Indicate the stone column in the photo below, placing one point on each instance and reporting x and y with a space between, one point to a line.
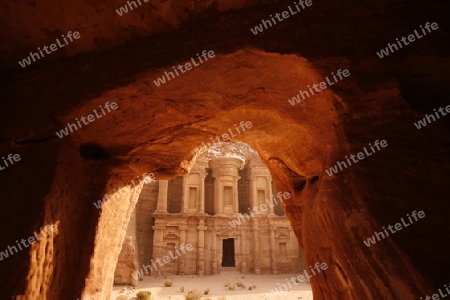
159 247
183 229
269 189
236 197
252 192
161 206
201 205
244 257
257 250
218 205
199 168
184 194
200 247
273 251
214 250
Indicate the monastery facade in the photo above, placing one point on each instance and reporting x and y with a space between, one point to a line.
226 208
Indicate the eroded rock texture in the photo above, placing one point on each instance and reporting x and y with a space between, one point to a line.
127 263
250 79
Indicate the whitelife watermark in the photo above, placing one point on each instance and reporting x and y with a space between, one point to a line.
323 85
296 280
411 38
281 17
90 118
437 296
44 233
124 9
423 122
162 80
224 136
263 207
334 170
146 177
165 260
11 158
397 226
27 61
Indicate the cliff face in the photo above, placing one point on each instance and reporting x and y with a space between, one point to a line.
250 78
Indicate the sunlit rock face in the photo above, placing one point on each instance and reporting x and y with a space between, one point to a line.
127 263
251 78
238 150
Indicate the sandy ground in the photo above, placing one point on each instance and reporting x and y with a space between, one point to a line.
264 283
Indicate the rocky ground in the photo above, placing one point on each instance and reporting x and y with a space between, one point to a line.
217 287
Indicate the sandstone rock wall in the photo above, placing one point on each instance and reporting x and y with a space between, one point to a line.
156 128
127 264
100 26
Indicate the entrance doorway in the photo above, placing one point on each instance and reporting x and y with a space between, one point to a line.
228 253
171 266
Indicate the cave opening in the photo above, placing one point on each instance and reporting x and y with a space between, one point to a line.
226 211
294 151
154 131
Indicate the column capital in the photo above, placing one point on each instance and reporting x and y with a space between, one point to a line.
202 227
159 227
201 173
260 170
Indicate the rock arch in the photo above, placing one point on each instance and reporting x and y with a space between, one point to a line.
154 130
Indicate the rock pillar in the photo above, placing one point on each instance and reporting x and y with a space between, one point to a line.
183 229
214 250
273 251
184 194
200 247
161 206
243 256
256 249
200 169
269 195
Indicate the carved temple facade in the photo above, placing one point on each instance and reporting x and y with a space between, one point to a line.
226 209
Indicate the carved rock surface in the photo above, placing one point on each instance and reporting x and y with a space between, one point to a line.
127 263
251 78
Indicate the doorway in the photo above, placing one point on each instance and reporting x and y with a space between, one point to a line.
228 253
171 266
